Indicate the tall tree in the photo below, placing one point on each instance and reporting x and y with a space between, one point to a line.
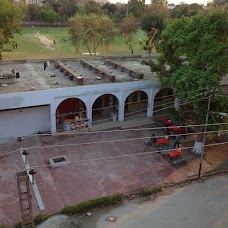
136 8
32 12
159 2
91 31
193 58
128 28
186 10
10 18
153 23
219 3
47 15
150 22
110 9
92 7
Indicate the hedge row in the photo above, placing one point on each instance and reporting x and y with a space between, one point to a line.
99 202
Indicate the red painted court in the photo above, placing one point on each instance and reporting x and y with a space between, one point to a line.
94 170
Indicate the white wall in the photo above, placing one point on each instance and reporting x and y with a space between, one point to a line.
24 121
47 97
53 97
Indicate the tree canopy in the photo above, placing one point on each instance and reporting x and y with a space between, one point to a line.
91 31
136 8
92 7
10 18
193 58
152 21
219 3
186 10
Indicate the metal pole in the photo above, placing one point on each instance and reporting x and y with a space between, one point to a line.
204 136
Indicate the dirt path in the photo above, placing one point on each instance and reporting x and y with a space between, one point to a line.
44 40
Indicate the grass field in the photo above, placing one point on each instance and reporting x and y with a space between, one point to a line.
30 47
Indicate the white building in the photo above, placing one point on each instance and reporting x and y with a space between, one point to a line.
54 99
40 2
171 6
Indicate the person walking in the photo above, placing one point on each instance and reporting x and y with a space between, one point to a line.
177 141
45 65
168 131
153 140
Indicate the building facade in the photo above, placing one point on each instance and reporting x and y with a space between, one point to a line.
34 111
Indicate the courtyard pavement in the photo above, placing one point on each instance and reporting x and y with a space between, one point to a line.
97 167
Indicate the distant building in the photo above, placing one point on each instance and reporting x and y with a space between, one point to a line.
171 6
158 2
40 2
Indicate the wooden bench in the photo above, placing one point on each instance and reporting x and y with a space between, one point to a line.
179 161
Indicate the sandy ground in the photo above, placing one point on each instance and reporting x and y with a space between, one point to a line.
216 158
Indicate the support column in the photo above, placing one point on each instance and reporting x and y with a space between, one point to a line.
150 105
121 107
89 109
176 103
53 117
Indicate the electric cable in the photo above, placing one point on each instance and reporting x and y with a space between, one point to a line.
115 130
116 106
107 141
6 138
113 157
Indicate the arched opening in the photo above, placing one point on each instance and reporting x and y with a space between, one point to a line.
163 99
105 108
71 115
135 105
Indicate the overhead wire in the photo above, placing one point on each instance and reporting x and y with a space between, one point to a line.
7 138
181 93
127 103
73 132
130 113
107 141
111 157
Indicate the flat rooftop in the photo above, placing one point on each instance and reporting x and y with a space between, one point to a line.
34 77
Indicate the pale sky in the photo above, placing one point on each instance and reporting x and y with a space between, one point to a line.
176 2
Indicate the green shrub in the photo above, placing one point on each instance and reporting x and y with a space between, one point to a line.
99 202
2 226
37 220
149 191
40 218
17 225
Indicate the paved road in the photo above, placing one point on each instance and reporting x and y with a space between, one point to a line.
200 205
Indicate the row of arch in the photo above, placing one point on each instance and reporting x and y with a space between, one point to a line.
105 107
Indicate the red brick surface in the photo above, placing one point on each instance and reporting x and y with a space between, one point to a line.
81 180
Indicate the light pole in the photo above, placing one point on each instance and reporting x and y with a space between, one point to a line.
205 132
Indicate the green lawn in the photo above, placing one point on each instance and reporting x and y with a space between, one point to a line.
30 47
